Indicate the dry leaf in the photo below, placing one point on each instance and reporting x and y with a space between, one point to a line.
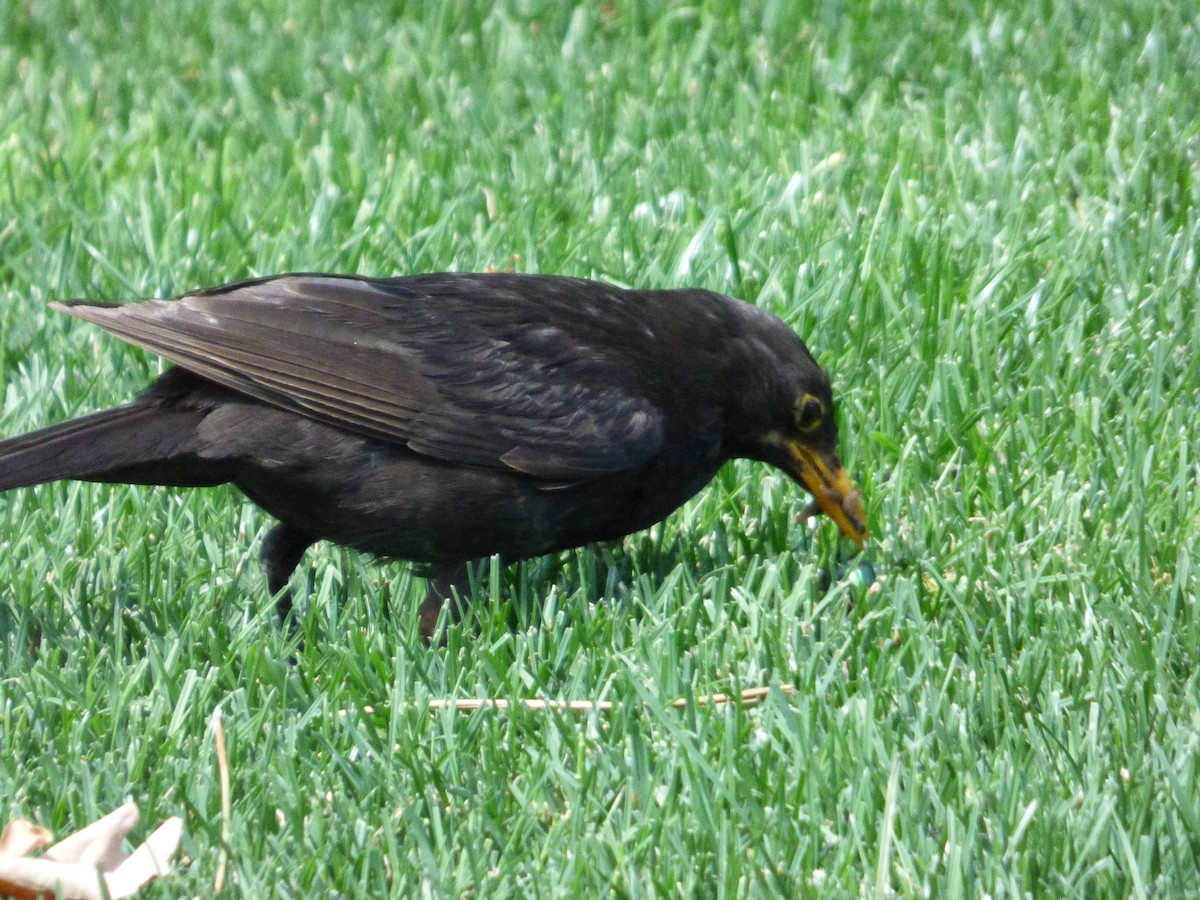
22 837
87 865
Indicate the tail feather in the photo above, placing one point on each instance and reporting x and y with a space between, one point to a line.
135 444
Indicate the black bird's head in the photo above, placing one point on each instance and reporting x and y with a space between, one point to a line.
785 416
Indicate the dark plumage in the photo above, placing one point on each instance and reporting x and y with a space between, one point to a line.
444 418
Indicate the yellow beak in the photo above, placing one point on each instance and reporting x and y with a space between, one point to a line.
832 488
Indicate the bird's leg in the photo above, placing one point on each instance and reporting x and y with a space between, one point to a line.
448 584
281 551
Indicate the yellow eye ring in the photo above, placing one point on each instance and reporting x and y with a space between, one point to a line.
809 413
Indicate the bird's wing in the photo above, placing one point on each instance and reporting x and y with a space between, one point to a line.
452 370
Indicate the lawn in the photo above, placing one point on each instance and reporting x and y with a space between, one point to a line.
983 218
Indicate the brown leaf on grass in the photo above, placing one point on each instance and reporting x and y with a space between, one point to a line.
87 865
22 837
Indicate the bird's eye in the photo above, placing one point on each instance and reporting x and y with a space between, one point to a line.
809 413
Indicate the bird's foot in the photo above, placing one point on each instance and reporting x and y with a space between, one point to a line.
446 598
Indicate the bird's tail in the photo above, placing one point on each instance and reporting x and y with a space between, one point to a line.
136 444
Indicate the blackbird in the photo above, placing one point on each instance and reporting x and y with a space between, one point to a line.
443 418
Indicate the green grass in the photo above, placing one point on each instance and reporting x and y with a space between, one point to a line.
983 218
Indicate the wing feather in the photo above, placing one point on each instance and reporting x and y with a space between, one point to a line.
466 369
